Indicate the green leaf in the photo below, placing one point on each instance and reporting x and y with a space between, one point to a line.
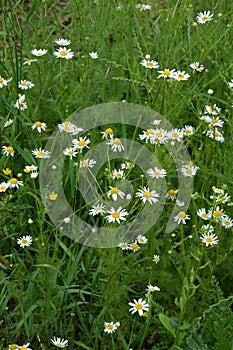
167 324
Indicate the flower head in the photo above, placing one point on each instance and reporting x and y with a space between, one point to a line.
114 192
21 103
28 61
63 52
93 55
110 327
97 209
24 241
147 196
143 7
157 173
13 182
87 163
139 306
116 215
58 342
4 82
116 144
209 239
4 186
156 259
81 143
181 75
39 126
166 73
181 217
70 152
151 64
8 123
8 150
24 347
39 52
62 42
25 85
41 153
197 66
151 288
203 17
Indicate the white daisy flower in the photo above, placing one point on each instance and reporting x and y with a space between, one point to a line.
70 152
3 186
181 217
63 52
141 239
41 153
8 123
227 222
203 17
117 174
176 134
116 144
147 196
24 241
14 183
107 133
87 163
62 42
4 82
123 245
181 75
28 61
143 7
58 342
189 171
151 288
40 126
209 239
139 306
166 73
157 173
202 213
197 66
188 130
116 215
39 52
81 143
114 192
21 103
93 55
156 259
134 246
97 209
171 194
109 327
25 84
214 110
151 64
8 151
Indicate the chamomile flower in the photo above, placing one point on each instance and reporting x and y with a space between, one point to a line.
134 246
215 134
214 110
81 143
151 288
181 75
62 42
117 174
188 130
147 196
4 186
141 239
181 217
8 123
21 103
39 52
28 61
29 168
107 133
156 173
216 213
93 55
97 209
24 241
159 136
203 17
176 134
25 84
63 52
166 73
180 203
58 342
196 66
116 144
41 153
209 239
68 127
114 192
189 171
70 152
224 198
8 151
87 163
143 7
116 215
139 306
218 190
123 245
171 194
40 126
227 222
109 327
4 82
202 214
156 259
151 64
207 228
34 174
127 165
24 347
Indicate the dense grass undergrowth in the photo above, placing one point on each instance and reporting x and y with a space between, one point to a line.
160 289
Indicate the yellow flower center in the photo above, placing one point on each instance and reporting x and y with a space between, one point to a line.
209 240
134 245
10 149
84 163
215 133
3 188
70 153
187 132
182 215
181 76
149 64
175 134
138 306
21 105
40 154
81 143
117 141
110 327
114 190
63 53
158 134
149 132
147 194
24 241
166 73
204 18
171 193
23 83
109 131
156 173
38 124
214 121
119 175
1 80
227 222
13 347
188 171
115 215
66 126
204 215
210 127
13 181
222 198
217 213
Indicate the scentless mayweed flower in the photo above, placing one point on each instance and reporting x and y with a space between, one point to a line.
203 17
123 245
8 123
39 126
24 347
69 127
62 42
166 73
189 171
3 186
202 213
171 194
147 63
13 347
114 192
97 209
21 103
141 239
156 259
4 82
70 152
58 342
230 83
63 52
111 327
138 306
29 168
28 61
157 173
117 174
181 217
87 163
39 52
214 110
147 196
216 213
93 55
8 151
134 246
188 130
116 215
116 145
209 239
143 7
41 153
176 134
24 241
151 288
81 143
14 183
25 85
107 133
227 222
181 75
196 66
